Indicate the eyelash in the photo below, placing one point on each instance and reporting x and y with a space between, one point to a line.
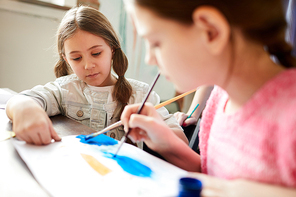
76 59
95 54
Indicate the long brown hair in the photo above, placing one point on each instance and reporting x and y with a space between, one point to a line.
91 20
262 21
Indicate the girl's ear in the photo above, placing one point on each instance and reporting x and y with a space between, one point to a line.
215 28
113 51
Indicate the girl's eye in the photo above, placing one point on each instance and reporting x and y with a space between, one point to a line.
96 54
76 59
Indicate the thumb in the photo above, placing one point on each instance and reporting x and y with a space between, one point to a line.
190 121
182 119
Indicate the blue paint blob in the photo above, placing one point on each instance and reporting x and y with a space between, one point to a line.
130 165
98 140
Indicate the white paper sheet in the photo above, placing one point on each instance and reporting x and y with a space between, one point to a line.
4 97
62 171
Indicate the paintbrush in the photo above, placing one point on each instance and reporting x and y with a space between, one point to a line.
119 123
123 139
116 124
193 111
174 99
184 125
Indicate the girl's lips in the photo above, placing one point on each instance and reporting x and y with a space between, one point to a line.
165 75
92 75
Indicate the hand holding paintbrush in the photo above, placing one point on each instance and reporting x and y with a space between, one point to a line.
119 123
138 112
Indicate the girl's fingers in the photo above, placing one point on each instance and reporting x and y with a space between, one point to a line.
150 128
29 140
53 133
181 117
128 110
137 135
142 122
177 116
40 134
147 110
145 126
20 137
36 138
190 121
45 137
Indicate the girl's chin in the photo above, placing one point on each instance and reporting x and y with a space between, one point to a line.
179 89
93 83
183 89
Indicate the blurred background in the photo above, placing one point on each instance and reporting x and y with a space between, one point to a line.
28 47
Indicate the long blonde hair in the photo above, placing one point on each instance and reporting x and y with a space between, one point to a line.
91 20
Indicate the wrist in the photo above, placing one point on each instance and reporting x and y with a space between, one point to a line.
173 143
20 104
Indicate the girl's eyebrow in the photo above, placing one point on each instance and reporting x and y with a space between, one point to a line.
95 46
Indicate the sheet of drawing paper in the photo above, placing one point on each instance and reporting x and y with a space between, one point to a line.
4 97
73 168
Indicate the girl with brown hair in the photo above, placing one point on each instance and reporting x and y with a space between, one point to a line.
248 128
85 90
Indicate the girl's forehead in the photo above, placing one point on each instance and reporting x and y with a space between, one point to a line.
84 41
84 36
144 20
150 24
81 37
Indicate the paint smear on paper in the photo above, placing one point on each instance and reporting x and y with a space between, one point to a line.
95 164
130 165
98 140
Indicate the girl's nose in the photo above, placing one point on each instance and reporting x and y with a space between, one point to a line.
89 64
150 58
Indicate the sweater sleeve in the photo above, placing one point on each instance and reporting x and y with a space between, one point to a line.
48 96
